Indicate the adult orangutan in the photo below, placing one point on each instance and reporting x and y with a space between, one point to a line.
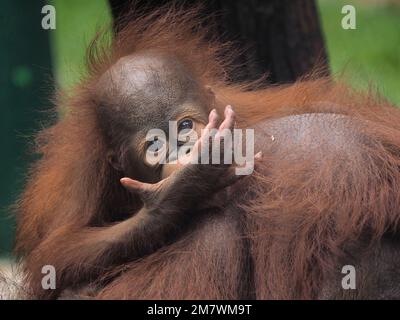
324 195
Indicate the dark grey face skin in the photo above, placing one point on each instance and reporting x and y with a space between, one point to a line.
140 93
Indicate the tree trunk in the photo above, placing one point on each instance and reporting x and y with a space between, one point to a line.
283 37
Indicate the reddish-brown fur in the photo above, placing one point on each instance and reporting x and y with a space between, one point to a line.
288 232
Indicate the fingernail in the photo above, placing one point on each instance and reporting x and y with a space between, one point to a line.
214 114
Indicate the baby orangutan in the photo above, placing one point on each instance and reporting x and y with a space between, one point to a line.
135 95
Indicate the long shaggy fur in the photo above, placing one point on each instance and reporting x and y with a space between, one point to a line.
293 224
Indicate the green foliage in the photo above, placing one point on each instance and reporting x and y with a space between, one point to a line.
77 24
371 53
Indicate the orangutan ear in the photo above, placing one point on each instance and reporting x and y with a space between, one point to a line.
113 160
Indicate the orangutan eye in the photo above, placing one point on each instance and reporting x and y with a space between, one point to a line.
185 124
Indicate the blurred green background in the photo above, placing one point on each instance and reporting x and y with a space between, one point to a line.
368 55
